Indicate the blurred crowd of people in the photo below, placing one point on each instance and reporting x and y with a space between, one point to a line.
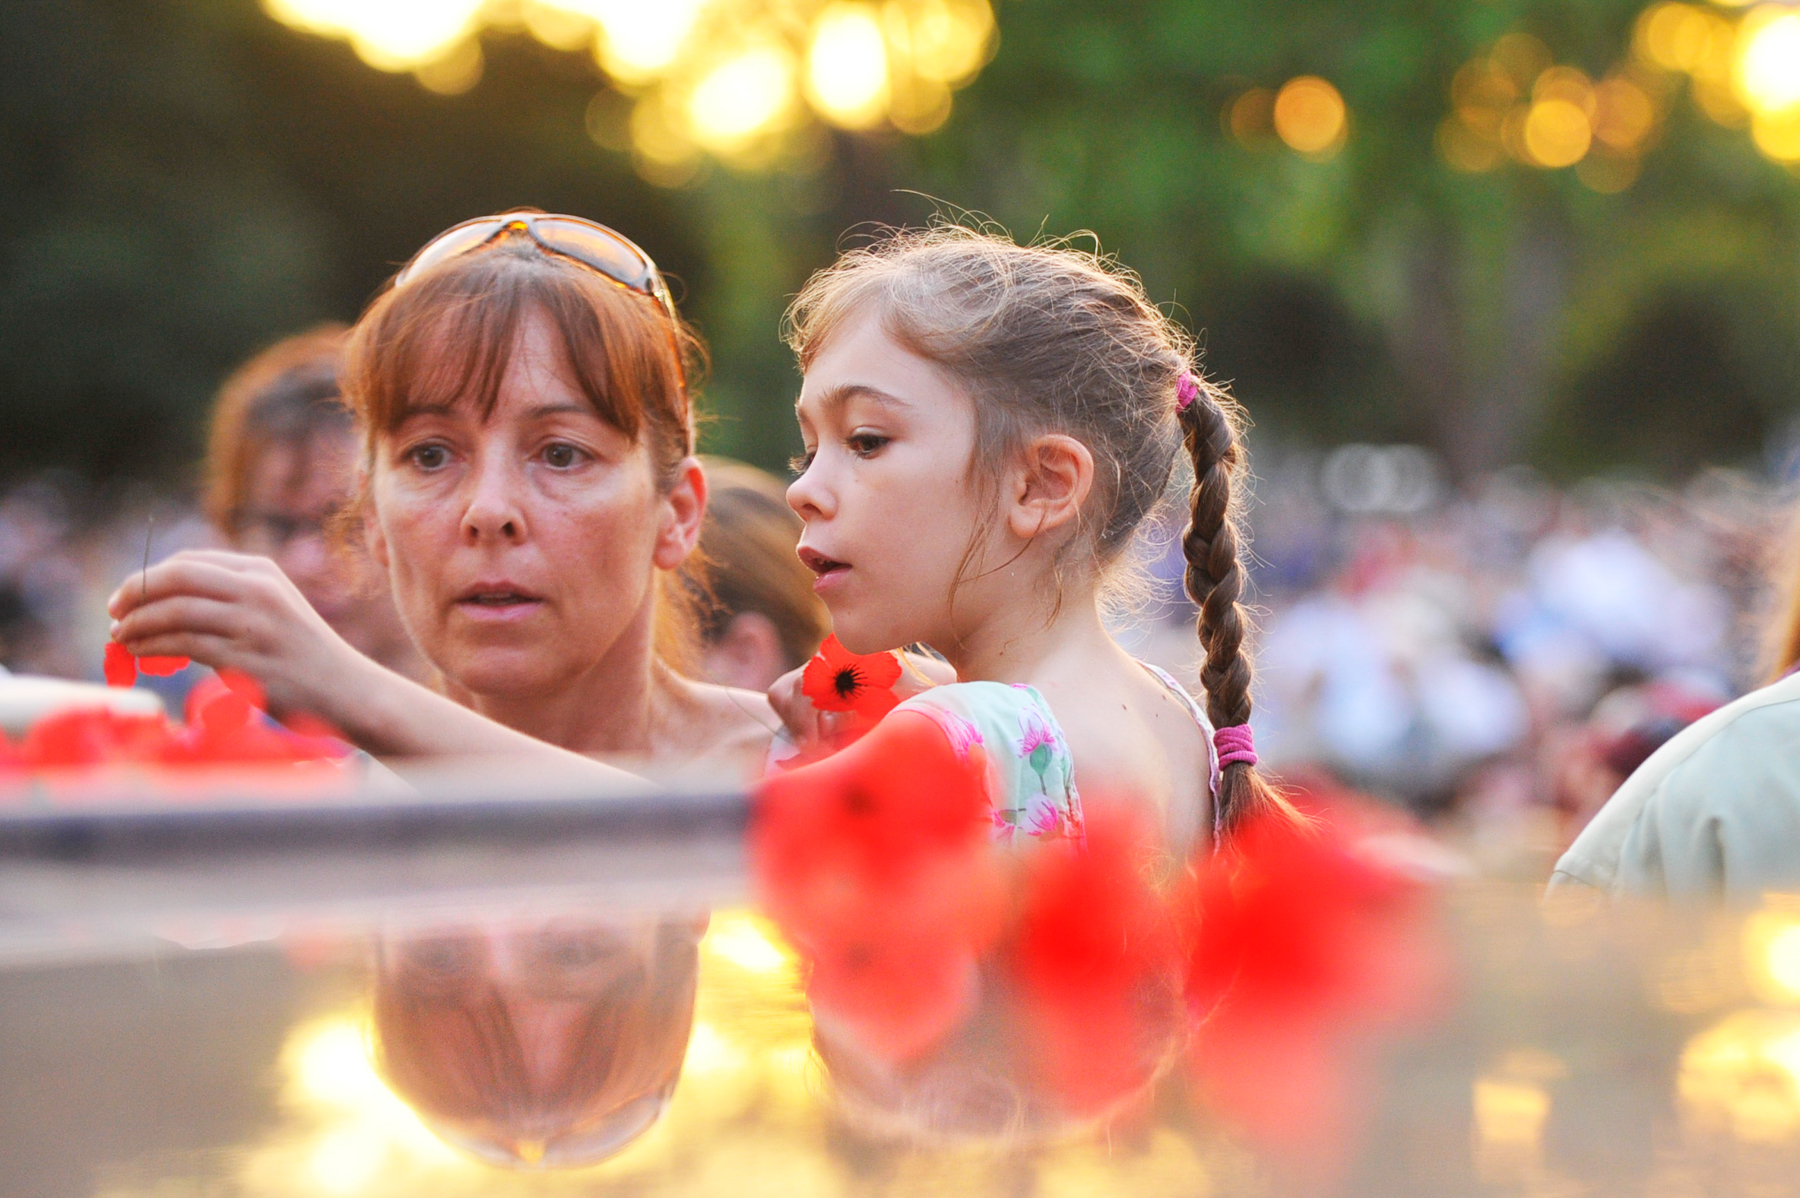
1509 651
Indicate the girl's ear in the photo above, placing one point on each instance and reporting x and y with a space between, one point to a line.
684 506
1055 476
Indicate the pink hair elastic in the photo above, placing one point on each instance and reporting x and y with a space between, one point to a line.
1187 390
1235 744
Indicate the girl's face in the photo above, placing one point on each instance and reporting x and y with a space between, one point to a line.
523 546
886 496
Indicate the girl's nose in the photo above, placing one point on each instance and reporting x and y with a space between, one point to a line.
494 511
809 496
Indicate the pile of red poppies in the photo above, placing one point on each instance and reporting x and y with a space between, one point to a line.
225 725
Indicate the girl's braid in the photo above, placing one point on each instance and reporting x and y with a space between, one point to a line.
1215 582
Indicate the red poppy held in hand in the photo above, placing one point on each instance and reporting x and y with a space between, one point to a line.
122 666
839 680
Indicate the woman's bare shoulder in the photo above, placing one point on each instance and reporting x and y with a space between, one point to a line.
724 721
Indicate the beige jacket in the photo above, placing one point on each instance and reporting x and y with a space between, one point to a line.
1716 811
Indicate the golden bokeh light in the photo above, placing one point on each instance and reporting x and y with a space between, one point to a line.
747 81
847 68
1778 134
1310 116
1742 1076
1771 950
390 35
1556 134
1767 70
636 42
741 98
1624 114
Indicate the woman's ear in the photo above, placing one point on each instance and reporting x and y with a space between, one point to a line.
684 508
1055 476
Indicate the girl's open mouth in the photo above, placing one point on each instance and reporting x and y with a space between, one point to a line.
819 564
829 570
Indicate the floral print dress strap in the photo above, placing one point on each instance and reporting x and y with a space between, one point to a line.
1031 779
1206 733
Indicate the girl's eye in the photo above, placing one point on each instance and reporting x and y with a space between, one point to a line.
865 445
428 457
803 463
561 455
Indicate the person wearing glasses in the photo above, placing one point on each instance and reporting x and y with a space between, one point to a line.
280 465
529 485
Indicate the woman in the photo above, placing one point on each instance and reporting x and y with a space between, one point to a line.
280 463
530 488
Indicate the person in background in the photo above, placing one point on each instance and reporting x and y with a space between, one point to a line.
1715 811
764 619
280 465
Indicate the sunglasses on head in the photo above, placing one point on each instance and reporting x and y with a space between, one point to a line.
588 242
609 253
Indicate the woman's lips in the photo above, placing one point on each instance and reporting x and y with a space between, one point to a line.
496 604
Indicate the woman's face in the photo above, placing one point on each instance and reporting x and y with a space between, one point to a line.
886 497
523 546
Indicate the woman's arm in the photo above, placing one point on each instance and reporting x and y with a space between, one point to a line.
236 612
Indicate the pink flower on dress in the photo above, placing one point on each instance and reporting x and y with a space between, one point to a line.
1046 821
1038 741
962 734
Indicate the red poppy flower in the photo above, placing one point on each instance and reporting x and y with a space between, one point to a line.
839 680
877 864
122 666
119 665
1302 946
1096 963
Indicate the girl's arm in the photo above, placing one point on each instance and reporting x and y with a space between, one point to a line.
235 612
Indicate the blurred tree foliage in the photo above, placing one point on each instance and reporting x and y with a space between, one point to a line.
184 181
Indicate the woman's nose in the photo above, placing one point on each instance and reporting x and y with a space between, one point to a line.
494 510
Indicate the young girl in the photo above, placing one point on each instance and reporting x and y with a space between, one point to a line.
986 425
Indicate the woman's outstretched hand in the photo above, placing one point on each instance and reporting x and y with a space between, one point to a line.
232 611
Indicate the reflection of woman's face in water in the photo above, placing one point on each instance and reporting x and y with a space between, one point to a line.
546 1043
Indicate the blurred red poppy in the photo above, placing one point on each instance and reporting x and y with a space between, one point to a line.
877 864
839 680
1095 958
1302 949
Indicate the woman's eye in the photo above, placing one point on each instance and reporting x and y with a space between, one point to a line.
561 455
865 444
802 463
428 457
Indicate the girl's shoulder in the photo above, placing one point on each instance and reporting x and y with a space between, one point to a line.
1031 775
